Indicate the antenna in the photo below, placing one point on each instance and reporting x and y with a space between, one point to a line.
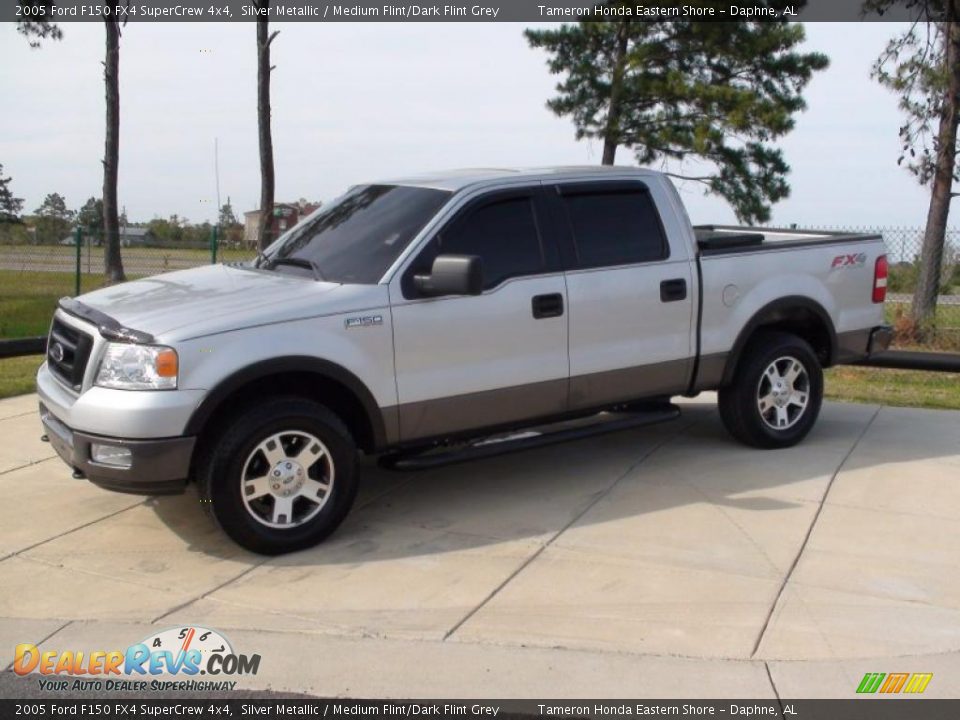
216 172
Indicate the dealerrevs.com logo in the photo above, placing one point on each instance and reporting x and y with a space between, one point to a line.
187 652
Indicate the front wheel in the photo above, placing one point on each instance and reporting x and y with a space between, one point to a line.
776 392
283 477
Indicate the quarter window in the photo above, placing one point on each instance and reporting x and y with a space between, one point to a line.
619 227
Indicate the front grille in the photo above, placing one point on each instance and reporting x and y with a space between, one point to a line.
67 353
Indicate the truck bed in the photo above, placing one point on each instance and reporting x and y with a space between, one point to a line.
722 239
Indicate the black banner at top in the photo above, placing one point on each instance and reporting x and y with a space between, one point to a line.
483 11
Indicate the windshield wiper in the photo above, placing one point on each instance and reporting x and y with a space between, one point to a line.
297 262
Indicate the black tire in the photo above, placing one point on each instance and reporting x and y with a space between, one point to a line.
739 402
220 476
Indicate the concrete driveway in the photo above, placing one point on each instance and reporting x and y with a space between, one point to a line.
660 562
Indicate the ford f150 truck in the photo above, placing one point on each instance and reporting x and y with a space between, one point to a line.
417 314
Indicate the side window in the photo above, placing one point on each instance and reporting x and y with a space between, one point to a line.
616 227
503 233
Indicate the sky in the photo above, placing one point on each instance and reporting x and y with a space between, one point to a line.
359 102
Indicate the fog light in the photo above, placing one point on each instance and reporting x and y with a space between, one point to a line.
111 455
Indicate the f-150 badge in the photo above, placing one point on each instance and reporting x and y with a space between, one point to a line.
364 321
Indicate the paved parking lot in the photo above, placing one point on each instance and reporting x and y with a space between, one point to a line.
657 562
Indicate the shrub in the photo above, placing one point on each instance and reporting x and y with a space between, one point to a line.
902 278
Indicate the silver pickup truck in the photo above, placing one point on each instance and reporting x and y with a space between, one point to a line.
419 318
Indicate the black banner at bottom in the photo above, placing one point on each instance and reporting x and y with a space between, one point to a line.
874 708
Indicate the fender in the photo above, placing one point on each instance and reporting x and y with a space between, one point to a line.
278 366
777 311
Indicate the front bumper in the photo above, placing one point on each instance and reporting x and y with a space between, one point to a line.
157 466
103 411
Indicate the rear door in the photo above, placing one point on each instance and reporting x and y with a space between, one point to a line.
630 296
468 362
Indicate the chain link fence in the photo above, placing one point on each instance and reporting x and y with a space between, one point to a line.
34 275
903 254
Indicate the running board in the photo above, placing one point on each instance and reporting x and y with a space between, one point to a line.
529 439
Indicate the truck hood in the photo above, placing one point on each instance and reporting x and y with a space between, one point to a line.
220 298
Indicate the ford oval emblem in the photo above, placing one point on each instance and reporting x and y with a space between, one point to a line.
56 352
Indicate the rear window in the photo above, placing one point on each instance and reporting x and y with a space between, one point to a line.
615 227
357 237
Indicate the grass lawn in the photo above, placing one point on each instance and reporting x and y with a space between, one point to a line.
28 299
946 337
906 388
17 375
22 256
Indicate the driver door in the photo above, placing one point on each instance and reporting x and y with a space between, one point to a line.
488 360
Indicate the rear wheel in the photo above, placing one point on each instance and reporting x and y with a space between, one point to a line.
283 477
776 392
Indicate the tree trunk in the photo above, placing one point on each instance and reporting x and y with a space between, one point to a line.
113 264
264 39
931 256
611 133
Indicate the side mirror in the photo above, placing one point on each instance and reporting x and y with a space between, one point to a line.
451 275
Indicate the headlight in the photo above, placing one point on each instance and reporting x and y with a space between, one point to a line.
138 367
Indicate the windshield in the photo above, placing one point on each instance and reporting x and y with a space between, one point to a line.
359 235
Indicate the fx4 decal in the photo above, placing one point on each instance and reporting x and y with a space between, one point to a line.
846 261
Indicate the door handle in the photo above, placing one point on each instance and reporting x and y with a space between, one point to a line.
547 306
673 290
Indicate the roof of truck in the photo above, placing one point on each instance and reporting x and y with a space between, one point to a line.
455 180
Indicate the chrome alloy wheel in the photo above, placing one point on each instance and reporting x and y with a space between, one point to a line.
783 393
286 479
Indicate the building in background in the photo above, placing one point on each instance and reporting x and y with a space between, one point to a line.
287 215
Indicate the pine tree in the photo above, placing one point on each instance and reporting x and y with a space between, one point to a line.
265 39
10 206
39 27
228 218
715 95
42 27
90 218
922 65
112 260
53 219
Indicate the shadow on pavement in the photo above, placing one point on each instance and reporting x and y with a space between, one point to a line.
535 494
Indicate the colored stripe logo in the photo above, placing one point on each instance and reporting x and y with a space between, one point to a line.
893 683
